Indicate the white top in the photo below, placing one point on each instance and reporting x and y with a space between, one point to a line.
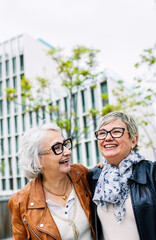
112 230
71 220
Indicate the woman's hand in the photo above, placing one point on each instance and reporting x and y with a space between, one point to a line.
100 164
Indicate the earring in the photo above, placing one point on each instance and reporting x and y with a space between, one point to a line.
132 151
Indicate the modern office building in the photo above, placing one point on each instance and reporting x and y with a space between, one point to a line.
24 56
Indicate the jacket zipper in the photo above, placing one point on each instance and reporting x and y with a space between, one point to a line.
31 229
38 230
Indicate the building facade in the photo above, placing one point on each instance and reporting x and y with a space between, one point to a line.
24 56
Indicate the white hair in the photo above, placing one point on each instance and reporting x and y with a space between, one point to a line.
31 143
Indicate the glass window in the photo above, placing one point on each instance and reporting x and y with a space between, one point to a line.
30 119
3 184
21 62
58 111
66 106
1 107
86 127
1 90
84 100
8 107
7 67
43 113
93 97
26 180
23 122
88 153
8 125
14 65
51 111
10 166
37 117
1 127
2 167
8 83
79 152
95 121
17 166
17 143
15 82
97 152
16 124
18 183
11 183
0 70
74 100
9 145
104 90
2 146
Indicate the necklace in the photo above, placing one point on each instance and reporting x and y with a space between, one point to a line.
64 196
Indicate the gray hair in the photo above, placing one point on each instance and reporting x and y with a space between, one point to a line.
31 143
123 117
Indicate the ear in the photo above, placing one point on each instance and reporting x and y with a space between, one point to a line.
134 141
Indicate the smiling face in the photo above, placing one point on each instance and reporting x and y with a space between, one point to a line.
54 164
115 150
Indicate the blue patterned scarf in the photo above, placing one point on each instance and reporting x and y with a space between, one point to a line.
112 185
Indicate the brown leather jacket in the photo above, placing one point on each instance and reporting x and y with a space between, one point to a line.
31 218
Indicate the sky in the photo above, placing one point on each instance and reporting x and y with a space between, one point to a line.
120 29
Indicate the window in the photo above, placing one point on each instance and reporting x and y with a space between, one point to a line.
88 153
16 123
7 67
74 100
1 127
11 183
10 166
8 83
95 122
14 65
66 106
78 153
15 82
3 184
2 147
18 183
37 117
23 122
8 107
97 152
16 143
9 145
21 62
1 107
1 86
58 111
0 70
86 127
84 100
8 125
51 111
93 97
3 167
30 119
15 106
104 91
17 166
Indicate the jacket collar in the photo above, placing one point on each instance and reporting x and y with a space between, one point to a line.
139 174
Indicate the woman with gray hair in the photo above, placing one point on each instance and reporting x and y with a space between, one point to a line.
55 204
124 190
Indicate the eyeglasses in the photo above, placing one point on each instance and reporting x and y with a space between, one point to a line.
115 133
57 148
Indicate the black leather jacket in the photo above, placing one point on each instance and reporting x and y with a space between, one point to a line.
143 195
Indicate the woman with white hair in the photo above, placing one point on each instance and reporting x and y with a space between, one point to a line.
55 204
124 190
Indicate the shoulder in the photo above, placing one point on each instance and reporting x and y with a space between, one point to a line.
143 170
79 167
94 173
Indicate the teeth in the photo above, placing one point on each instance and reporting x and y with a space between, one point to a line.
109 146
63 162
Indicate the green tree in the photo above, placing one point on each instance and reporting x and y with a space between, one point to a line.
74 71
140 97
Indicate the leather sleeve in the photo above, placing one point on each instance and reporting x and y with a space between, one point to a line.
18 229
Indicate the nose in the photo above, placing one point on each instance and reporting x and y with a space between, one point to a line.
109 136
66 151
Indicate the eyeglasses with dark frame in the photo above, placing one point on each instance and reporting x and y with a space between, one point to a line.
57 148
116 132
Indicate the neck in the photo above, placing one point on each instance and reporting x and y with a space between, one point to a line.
53 182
